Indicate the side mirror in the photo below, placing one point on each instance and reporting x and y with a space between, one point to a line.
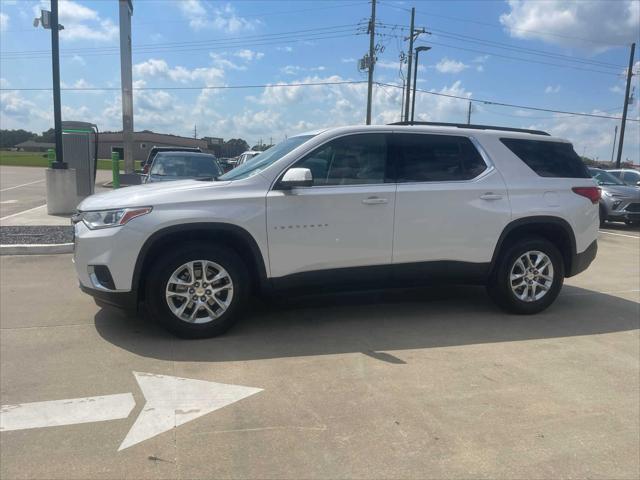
296 177
638 183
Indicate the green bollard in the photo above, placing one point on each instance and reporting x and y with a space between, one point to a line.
51 156
115 169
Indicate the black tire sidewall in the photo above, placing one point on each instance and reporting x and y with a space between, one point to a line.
164 267
500 287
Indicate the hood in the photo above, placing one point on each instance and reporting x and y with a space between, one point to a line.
149 194
626 191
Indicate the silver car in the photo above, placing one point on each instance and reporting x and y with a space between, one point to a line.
619 202
628 176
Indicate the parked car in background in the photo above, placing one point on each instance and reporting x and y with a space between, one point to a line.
168 166
619 202
246 156
155 150
627 175
226 163
344 208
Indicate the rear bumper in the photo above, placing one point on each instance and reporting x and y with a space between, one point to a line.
122 300
581 261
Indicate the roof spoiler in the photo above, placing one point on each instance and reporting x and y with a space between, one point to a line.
473 126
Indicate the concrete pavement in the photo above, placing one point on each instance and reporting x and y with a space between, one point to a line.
430 383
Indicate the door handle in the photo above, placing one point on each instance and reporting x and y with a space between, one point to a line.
491 196
375 201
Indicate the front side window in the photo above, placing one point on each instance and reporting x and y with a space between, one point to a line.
350 160
631 177
548 159
434 158
605 178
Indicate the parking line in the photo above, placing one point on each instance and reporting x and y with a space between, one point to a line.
23 211
620 234
23 185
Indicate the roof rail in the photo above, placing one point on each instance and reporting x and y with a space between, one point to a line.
472 126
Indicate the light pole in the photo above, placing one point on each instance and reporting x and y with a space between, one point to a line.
49 21
415 79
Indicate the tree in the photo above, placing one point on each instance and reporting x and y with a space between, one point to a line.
234 147
10 138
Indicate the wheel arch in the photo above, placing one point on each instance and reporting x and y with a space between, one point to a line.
232 236
555 229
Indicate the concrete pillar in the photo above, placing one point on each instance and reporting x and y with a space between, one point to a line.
62 198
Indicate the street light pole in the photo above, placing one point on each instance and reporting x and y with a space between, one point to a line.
55 61
415 80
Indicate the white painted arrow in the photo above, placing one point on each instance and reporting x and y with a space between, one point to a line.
170 402
173 401
65 412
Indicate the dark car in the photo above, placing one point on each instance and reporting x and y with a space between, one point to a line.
155 150
619 202
168 166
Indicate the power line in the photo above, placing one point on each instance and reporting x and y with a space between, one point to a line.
219 40
511 105
200 87
510 46
520 59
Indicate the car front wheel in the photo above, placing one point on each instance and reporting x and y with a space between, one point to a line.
197 291
528 277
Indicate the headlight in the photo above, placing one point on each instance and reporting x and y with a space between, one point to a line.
606 194
112 218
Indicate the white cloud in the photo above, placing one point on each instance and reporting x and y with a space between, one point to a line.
552 89
81 22
447 65
481 59
296 69
4 83
4 21
249 55
617 89
570 23
223 18
160 68
285 49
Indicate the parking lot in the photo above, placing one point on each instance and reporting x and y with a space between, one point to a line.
425 383
23 189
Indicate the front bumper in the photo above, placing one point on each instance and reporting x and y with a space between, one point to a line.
122 300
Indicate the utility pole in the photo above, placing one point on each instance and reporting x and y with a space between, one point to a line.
615 135
372 58
415 78
404 85
409 62
55 61
469 114
626 104
195 131
126 82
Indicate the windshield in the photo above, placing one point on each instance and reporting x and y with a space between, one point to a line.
605 178
190 166
260 162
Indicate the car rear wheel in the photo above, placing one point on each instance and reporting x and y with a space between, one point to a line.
528 277
198 291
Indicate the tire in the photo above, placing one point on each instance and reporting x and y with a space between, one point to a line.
500 285
233 294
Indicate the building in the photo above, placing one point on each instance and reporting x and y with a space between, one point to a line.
142 142
31 146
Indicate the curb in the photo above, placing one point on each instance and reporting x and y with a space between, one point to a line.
36 249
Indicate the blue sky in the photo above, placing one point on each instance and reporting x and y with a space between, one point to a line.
188 44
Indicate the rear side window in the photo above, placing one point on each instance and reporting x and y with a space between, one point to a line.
434 158
548 159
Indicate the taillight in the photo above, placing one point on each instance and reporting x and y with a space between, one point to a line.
592 193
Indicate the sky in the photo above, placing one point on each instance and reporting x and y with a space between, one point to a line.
548 54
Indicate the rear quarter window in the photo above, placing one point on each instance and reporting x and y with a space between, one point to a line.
548 159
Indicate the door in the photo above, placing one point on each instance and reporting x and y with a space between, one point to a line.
345 219
451 205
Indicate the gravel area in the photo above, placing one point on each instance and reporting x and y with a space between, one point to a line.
24 235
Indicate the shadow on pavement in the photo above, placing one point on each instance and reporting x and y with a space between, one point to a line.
374 322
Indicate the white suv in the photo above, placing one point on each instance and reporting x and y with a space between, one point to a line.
343 207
